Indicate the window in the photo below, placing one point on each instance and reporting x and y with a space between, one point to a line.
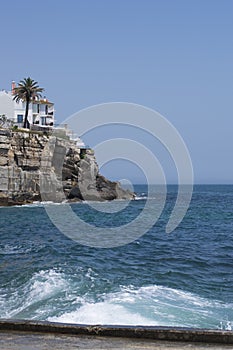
19 118
46 109
38 108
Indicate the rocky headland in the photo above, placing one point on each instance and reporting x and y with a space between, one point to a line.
38 167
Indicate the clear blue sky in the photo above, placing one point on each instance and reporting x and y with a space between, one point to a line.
175 56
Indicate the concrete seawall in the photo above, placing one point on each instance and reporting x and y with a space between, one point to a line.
58 335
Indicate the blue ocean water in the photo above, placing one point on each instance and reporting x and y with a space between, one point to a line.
179 279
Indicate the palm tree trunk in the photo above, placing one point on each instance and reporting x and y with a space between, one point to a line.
25 124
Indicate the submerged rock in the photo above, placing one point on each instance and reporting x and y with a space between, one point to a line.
36 167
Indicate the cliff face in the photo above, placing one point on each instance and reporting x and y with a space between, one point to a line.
37 167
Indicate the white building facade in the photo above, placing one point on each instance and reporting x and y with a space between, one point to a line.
41 111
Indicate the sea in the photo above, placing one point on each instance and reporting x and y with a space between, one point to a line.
183 278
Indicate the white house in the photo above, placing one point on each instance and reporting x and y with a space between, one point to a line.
41 111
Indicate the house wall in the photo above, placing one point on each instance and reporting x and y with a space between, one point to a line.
19 109
6 104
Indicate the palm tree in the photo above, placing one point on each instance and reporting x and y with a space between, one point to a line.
27 90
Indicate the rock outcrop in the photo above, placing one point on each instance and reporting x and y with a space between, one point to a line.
35 167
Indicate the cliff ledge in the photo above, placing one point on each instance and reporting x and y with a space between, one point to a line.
36 167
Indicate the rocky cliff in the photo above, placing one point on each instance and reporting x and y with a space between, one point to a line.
36 167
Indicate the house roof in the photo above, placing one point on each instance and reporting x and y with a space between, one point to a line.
43 101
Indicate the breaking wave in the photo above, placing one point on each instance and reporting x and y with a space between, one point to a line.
55 296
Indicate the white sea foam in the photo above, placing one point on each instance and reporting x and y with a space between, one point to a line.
44 284
137 198
36 204
103 313
152 305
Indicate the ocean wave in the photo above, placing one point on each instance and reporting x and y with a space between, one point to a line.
151 305
27 301
28 247
53 295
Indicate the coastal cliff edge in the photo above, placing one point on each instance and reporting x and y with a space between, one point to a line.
40 167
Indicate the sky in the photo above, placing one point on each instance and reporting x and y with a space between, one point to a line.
173 56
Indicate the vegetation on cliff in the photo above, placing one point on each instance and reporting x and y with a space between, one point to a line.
27 90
